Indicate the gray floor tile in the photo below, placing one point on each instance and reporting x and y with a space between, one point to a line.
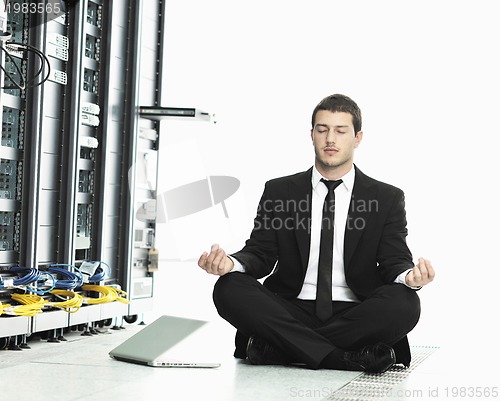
80 369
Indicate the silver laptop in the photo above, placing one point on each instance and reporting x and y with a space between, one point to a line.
164 343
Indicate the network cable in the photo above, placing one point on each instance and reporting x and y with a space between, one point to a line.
28 275
23 84
38 290
44 62
3 307
30 279
71 301
71 280
109 294
31 304
99 274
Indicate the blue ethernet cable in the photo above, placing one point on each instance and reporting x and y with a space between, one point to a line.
71 280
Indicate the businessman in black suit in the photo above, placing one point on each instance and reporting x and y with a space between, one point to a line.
340 287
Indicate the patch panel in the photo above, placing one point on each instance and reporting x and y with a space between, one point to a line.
12 71
13 79
94 14
6 233
15 24
87 152
84 220
8 179
86 181
90 81
12 128
93 47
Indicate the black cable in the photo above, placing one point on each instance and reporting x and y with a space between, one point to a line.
39 70
45 64
43 59
20 86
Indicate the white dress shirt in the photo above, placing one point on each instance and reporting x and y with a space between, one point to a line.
340 290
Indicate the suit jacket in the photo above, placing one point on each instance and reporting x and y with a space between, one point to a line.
375 249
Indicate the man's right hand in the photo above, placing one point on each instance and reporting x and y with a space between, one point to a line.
216 262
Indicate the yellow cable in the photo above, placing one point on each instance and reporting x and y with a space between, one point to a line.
121 296
3 307
106 294
109 294
70 305
31 304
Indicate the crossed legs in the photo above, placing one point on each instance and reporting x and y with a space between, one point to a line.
291 325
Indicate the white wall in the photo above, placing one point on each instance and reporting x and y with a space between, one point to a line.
426 76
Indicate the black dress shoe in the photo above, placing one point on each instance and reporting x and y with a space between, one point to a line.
373 358
260 352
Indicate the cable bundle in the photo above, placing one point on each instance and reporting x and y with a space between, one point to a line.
109 294
31 304
71 280
71 305
29 276
97 276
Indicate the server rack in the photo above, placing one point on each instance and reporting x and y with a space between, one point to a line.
78 163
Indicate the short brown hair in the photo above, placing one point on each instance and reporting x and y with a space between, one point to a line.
340 103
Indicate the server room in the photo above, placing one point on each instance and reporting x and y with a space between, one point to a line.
233 201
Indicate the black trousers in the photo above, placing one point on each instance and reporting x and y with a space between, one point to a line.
390 313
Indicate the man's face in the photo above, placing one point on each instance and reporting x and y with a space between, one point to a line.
334 139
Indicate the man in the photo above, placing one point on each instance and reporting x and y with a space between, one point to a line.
340 291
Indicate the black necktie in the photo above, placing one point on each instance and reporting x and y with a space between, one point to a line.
325 263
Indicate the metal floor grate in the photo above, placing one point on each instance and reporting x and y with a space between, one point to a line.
372 386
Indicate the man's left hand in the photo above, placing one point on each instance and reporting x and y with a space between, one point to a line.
422 274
